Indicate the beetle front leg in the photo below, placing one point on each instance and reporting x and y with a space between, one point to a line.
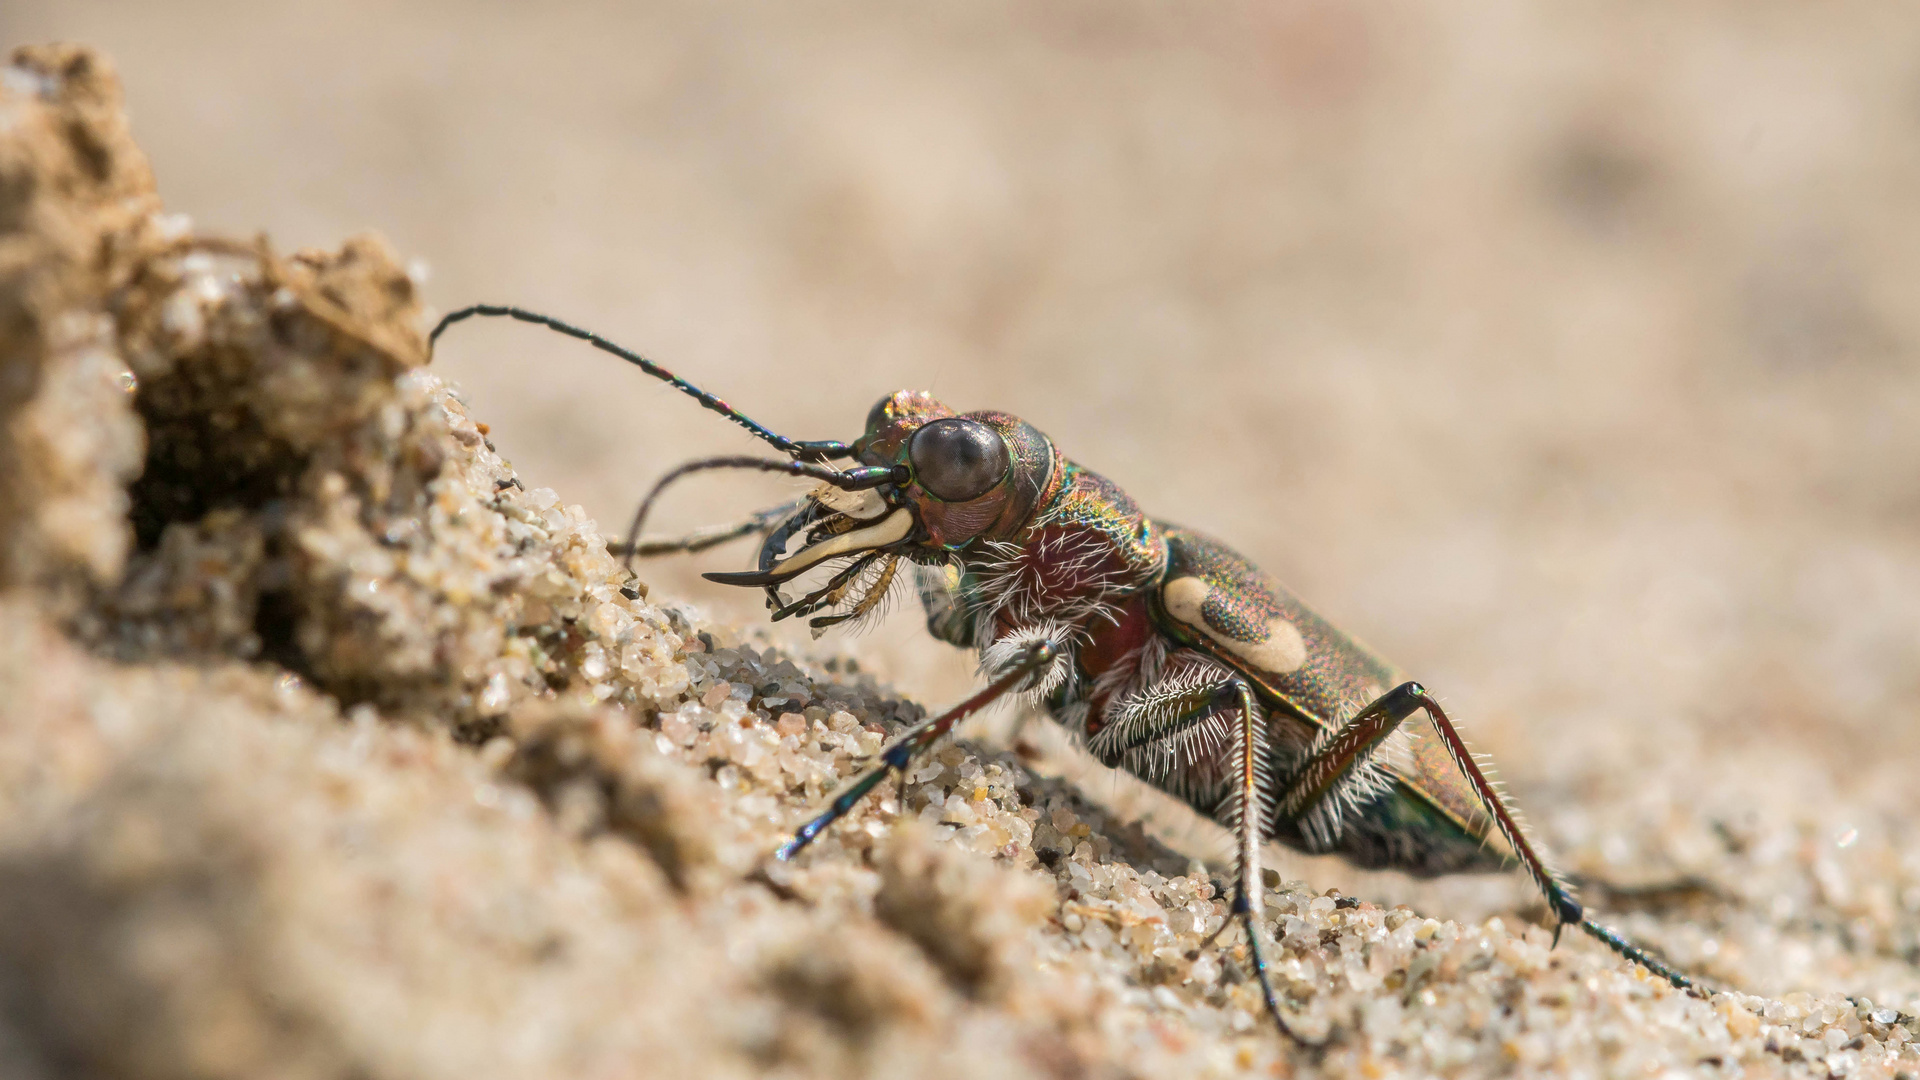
1037 656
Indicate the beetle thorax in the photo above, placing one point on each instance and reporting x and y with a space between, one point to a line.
1088 550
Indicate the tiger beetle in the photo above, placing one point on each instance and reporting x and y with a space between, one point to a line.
1169 654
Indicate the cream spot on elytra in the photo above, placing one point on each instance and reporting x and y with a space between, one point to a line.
1281 651
1183 597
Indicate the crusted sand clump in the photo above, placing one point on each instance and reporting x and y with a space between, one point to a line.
333 750
77 205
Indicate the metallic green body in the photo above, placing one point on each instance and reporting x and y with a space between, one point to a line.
1067 545
1175 657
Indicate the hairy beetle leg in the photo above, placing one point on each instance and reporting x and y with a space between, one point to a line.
1335 760
1339 754
916 739
1250 781
1401 701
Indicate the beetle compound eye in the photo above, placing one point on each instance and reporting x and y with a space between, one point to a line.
958 460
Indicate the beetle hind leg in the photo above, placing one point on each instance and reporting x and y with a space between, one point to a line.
1335 774
1560 899
1338 773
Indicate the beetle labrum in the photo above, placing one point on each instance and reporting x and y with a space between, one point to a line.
1169 654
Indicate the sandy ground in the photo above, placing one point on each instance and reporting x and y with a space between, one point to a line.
1567 357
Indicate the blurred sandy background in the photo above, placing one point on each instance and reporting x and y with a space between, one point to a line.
1568 356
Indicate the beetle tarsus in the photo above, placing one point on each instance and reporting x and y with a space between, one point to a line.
1636 954
1260 973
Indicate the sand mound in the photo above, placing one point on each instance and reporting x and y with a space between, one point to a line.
333 750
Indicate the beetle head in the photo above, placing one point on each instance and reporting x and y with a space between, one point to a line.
974 475
965 477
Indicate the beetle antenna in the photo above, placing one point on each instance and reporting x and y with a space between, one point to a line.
760 521
808 449
860 479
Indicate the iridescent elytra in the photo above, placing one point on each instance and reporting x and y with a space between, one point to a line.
1169 654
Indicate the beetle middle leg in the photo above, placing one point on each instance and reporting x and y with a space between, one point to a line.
1251 783
1190 708
1335 762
